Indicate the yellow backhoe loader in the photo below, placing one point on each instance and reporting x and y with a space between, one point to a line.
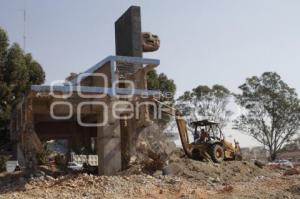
209 142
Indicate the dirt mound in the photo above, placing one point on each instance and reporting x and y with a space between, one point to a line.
225 172
158 156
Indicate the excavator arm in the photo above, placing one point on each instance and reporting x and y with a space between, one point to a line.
181 125
182 128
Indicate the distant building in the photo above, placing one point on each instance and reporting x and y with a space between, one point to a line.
256 153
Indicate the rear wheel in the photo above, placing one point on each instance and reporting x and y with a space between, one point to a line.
216 153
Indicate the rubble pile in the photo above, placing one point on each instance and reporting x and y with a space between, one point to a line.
146 186
153 149
157 155
85 185
159 170
90 186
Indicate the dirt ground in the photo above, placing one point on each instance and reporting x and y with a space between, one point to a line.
183 178
159 170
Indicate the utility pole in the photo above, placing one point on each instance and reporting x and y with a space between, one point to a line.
24 31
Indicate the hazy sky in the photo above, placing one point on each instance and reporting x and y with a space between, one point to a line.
202 42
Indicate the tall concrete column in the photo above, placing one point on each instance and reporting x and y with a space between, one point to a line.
109 143
128 38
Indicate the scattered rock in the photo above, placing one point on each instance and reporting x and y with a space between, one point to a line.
41 178
259 164
49 177
217 180
158 173
227 188
295 189
292 171
173 169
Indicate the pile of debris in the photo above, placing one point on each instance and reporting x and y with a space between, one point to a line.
158 156
147 186
88 186
159 170
153 150
208 172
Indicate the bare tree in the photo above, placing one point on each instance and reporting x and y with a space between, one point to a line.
271 112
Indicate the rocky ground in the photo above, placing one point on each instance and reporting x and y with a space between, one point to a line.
195 180
159 170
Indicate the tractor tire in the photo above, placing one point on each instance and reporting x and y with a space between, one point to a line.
216 153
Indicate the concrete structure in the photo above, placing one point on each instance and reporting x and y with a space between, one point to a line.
105 101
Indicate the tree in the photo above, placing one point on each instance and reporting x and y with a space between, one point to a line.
17 72
271 112
36 74
3 50
204 102
4 90
162 83
166 86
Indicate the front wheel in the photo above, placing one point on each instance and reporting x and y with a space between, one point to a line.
216 153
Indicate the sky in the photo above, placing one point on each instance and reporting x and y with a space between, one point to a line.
202 41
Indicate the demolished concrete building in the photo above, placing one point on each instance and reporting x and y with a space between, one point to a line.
107 103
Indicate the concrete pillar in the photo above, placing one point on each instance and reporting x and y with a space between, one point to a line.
128 37
109 143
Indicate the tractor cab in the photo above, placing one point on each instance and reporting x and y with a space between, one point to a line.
207 131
